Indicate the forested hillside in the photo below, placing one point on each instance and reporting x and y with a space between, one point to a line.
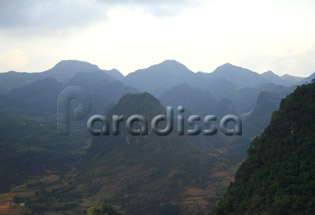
278 176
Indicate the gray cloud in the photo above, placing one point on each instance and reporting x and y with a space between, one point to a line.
34 13
16 14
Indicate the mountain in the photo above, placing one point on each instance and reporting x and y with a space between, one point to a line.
37 98
275 79
278 175
244 99
239 76
12 79
160 77
104 90
308 79
40 96
143 173
259 119
195 100
114 73
65 69
62 72
147 174
292 79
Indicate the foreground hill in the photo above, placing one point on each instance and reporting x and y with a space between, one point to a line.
278 175
148 173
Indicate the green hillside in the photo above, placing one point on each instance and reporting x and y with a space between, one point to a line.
278 176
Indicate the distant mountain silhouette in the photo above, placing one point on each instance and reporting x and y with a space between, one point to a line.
62 71
160 77
65 70
239 76
104 90
292 79
40 96
275 79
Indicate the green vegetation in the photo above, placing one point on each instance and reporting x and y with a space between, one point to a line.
278 176
102 209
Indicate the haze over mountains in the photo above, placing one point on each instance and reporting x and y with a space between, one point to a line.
240 85
137 174
169 72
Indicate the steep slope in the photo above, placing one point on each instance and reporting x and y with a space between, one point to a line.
275 79
259 119
278 175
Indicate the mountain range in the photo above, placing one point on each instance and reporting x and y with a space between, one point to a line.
149 174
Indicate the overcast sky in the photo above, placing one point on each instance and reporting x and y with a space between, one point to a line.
132 34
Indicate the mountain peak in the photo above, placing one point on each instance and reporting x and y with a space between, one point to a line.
228 67
173 65
170 61
276 79
65 69
139 103
237 75
269 72
64 64
158 77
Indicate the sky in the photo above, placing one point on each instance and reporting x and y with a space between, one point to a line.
277 35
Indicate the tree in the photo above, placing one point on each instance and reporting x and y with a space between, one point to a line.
102 209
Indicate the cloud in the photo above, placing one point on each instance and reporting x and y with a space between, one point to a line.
47 14
15 14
